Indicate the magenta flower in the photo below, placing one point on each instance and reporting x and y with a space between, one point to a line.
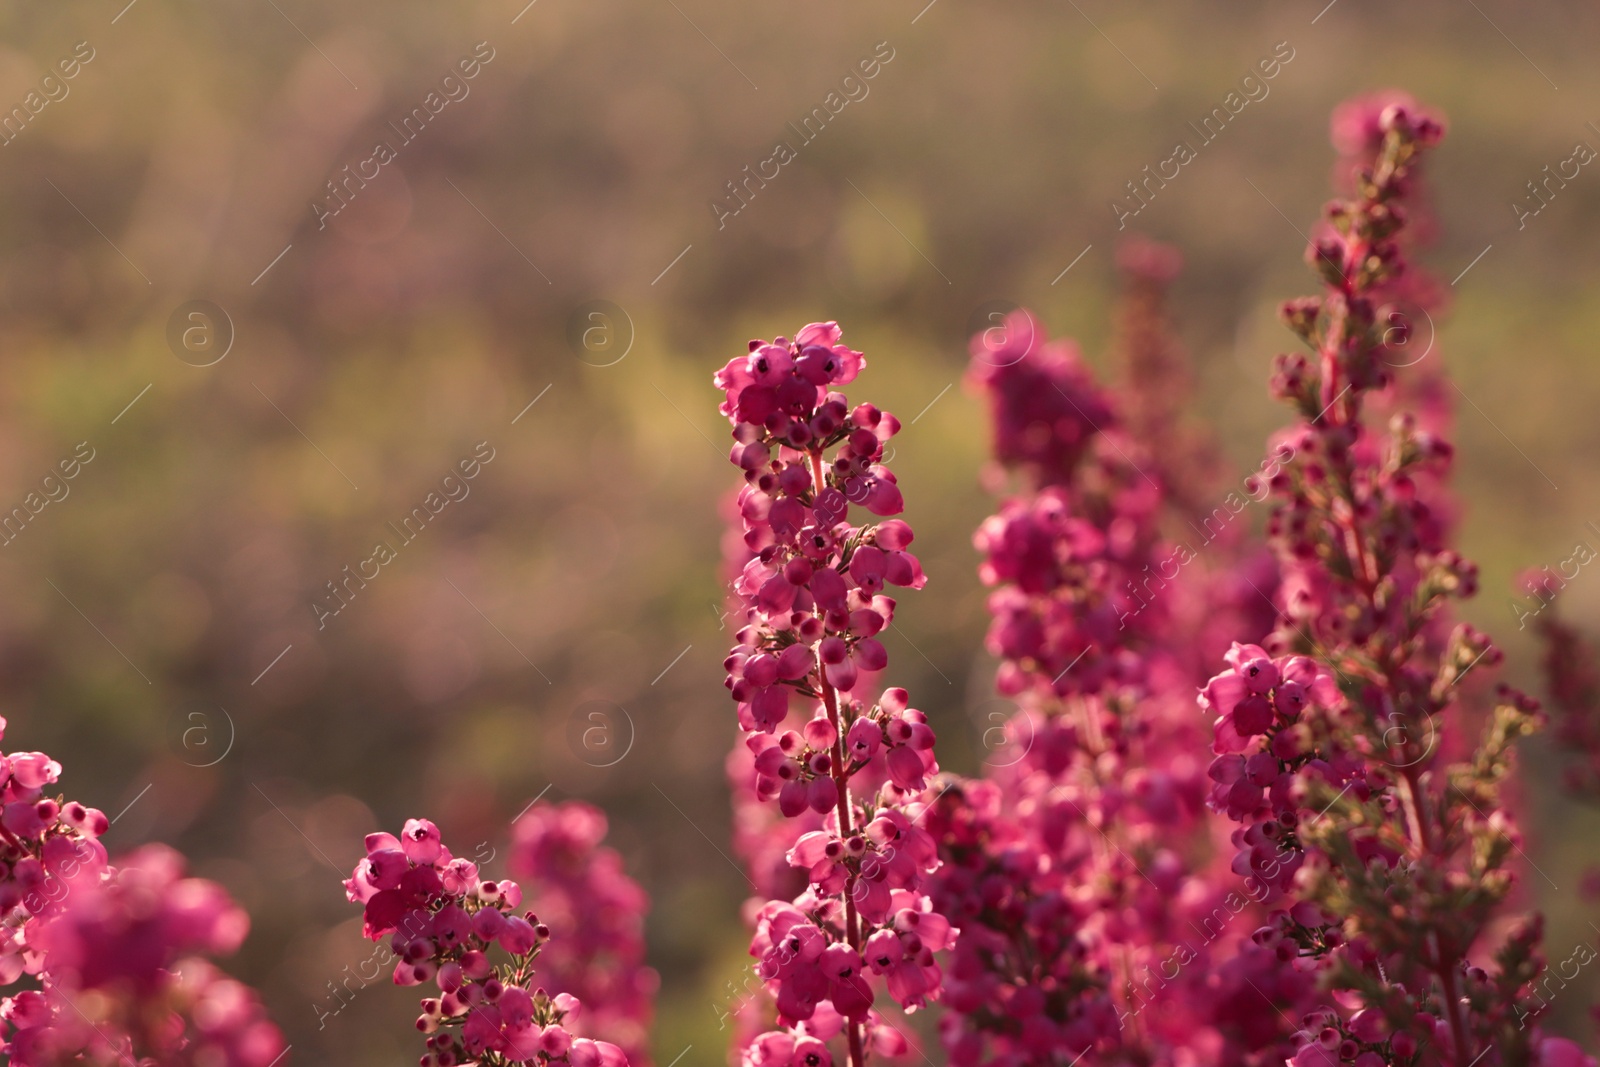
1044 407
596 916
1069 869
1387 863
443 919
812 596
117 952
122 974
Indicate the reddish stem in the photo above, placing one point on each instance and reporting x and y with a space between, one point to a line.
1445 968
1412 797
830 701
1458 1029
1343 415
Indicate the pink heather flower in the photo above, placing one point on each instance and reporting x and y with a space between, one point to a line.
811 596
1045 407
132 928
1067 941
1255 777
1156 383
596 916
1065 591
1573 683
44 841
442 920
1358 130
33 770
1559 1052
118 962
1333 733
116 951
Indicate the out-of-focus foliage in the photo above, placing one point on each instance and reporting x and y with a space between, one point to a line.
580 575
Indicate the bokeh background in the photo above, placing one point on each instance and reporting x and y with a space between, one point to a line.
170 591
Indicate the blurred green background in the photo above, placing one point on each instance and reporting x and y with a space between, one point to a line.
375 353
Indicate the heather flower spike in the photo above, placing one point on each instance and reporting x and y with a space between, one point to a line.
812 599
123 978
116 953
578 887
1338 737
1572 678
443 921
1070 867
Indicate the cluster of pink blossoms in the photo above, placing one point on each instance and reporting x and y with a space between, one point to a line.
1313 873
116 952
1045 409
1071 869
1022 985
1367 873
123 978
579 889
44 841
442 921
1259 779
812 603
1066 559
